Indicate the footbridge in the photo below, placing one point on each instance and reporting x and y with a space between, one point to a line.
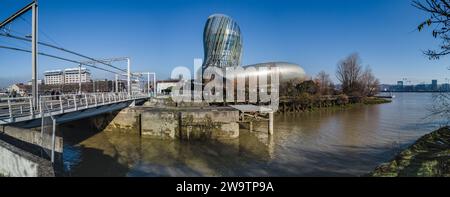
21 112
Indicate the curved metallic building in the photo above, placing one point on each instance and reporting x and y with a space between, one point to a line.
287 71
222 42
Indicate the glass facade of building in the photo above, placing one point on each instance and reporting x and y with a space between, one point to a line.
222 42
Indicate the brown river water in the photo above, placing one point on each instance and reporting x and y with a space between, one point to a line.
334 142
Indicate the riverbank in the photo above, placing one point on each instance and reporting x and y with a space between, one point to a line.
309 103
429 156
375 100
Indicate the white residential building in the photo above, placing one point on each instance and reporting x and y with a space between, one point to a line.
54 77
72 75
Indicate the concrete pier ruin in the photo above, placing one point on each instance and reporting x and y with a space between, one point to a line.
189 123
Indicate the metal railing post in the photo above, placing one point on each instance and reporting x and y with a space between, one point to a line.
61 104
95 99
103 98
75 101
40 107
85 98
31 107
10 110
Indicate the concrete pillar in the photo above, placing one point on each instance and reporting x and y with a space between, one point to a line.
270 123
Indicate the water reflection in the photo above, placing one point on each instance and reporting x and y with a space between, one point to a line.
118 154
347 142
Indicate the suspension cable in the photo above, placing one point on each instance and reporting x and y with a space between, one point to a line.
57 57
62 49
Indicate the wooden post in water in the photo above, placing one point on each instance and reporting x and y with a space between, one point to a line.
270 123
139 123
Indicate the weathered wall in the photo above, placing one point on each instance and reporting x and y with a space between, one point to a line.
33 136
16 162
175 123
208 124
124 121
160 124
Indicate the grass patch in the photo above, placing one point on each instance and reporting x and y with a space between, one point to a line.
375 101
429 156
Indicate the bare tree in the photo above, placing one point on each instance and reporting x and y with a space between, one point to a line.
370 84
439 18
440 108
324 82
348 73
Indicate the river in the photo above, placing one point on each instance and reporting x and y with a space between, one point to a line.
334 142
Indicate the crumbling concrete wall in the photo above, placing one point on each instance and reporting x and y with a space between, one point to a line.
178 123
209 124
160 124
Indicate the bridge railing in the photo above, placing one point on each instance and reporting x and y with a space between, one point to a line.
12 108
48 129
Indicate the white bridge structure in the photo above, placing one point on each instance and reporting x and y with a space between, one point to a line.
68 107
56 109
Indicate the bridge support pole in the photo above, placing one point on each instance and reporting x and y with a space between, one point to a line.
53 140
128 76
34 53
79 79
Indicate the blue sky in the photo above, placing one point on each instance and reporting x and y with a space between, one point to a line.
160 35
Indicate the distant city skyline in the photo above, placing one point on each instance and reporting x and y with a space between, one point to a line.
160 35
